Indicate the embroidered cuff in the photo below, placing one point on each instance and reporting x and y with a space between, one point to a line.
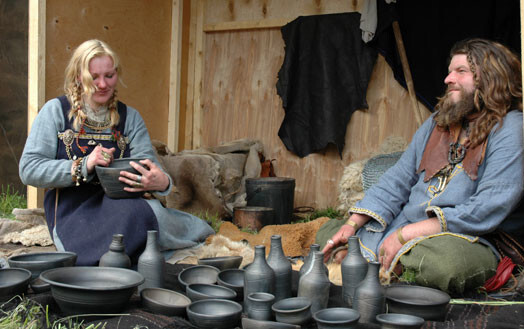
434 211
369 226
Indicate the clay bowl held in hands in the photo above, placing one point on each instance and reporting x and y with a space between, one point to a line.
108 177
92 289
199 291
427 303
164 301
294 310
198 274
337 317
399 321
232 279
214 313
13 282
222 263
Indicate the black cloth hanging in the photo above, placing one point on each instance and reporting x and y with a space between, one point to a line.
323 80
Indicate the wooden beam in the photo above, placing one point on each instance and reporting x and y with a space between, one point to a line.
199 64
36 79
247 25
174 75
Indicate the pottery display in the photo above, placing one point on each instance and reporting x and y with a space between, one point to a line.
108 177
13 281
399 321
294 310
336 317
223 262
370 299
214 313
260 306
354 268
199 291
164 301
198 274
278 261
92 289
151 263
259 276
307 260
314 283
427 303
248 323
116 255
234 280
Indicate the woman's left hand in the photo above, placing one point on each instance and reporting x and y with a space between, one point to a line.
151 177
388 249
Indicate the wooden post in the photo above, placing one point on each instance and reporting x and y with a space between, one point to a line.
174 75
35 80
407 72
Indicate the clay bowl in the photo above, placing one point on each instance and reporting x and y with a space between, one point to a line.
248 323
337 317
13 281
41 261
108 177
214 313
232 279
294 310
427 303
92 289
199 291
222 263
198 274
164 301
399 321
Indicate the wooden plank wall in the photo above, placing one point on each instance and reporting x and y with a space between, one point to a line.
238 51
139 32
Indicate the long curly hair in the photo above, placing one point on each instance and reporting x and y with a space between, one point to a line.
79 83
498 79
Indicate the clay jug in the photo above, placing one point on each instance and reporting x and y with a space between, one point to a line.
315 283
278 261
370 299
307 261
116 255
354 268
151 263
258 276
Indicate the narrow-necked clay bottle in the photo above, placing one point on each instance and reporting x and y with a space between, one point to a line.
278 261
259 276
370 298
307 261
315 283
116 255
151 263
354 268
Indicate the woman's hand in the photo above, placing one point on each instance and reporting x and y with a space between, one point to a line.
151 177
99 157
388 249
340 238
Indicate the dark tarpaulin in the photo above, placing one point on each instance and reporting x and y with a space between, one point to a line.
323 80
431 27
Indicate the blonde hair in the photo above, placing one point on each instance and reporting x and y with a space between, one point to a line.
78 81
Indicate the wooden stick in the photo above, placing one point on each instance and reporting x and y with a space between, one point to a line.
407 71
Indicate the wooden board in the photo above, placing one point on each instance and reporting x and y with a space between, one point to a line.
140 33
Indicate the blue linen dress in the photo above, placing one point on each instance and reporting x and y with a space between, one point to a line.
87 219
465 207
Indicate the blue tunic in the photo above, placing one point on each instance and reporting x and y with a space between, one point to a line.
86 219
465 206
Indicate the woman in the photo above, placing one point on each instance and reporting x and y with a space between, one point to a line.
89 127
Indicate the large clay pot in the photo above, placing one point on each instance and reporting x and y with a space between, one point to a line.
258 277
354 268
370 298
116 255
278 261
151 263
315 284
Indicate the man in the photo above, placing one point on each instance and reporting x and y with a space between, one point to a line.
462 174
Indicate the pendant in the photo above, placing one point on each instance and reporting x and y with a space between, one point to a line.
91 143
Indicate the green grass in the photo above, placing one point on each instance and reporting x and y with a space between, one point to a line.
212 219
327 212
10 199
